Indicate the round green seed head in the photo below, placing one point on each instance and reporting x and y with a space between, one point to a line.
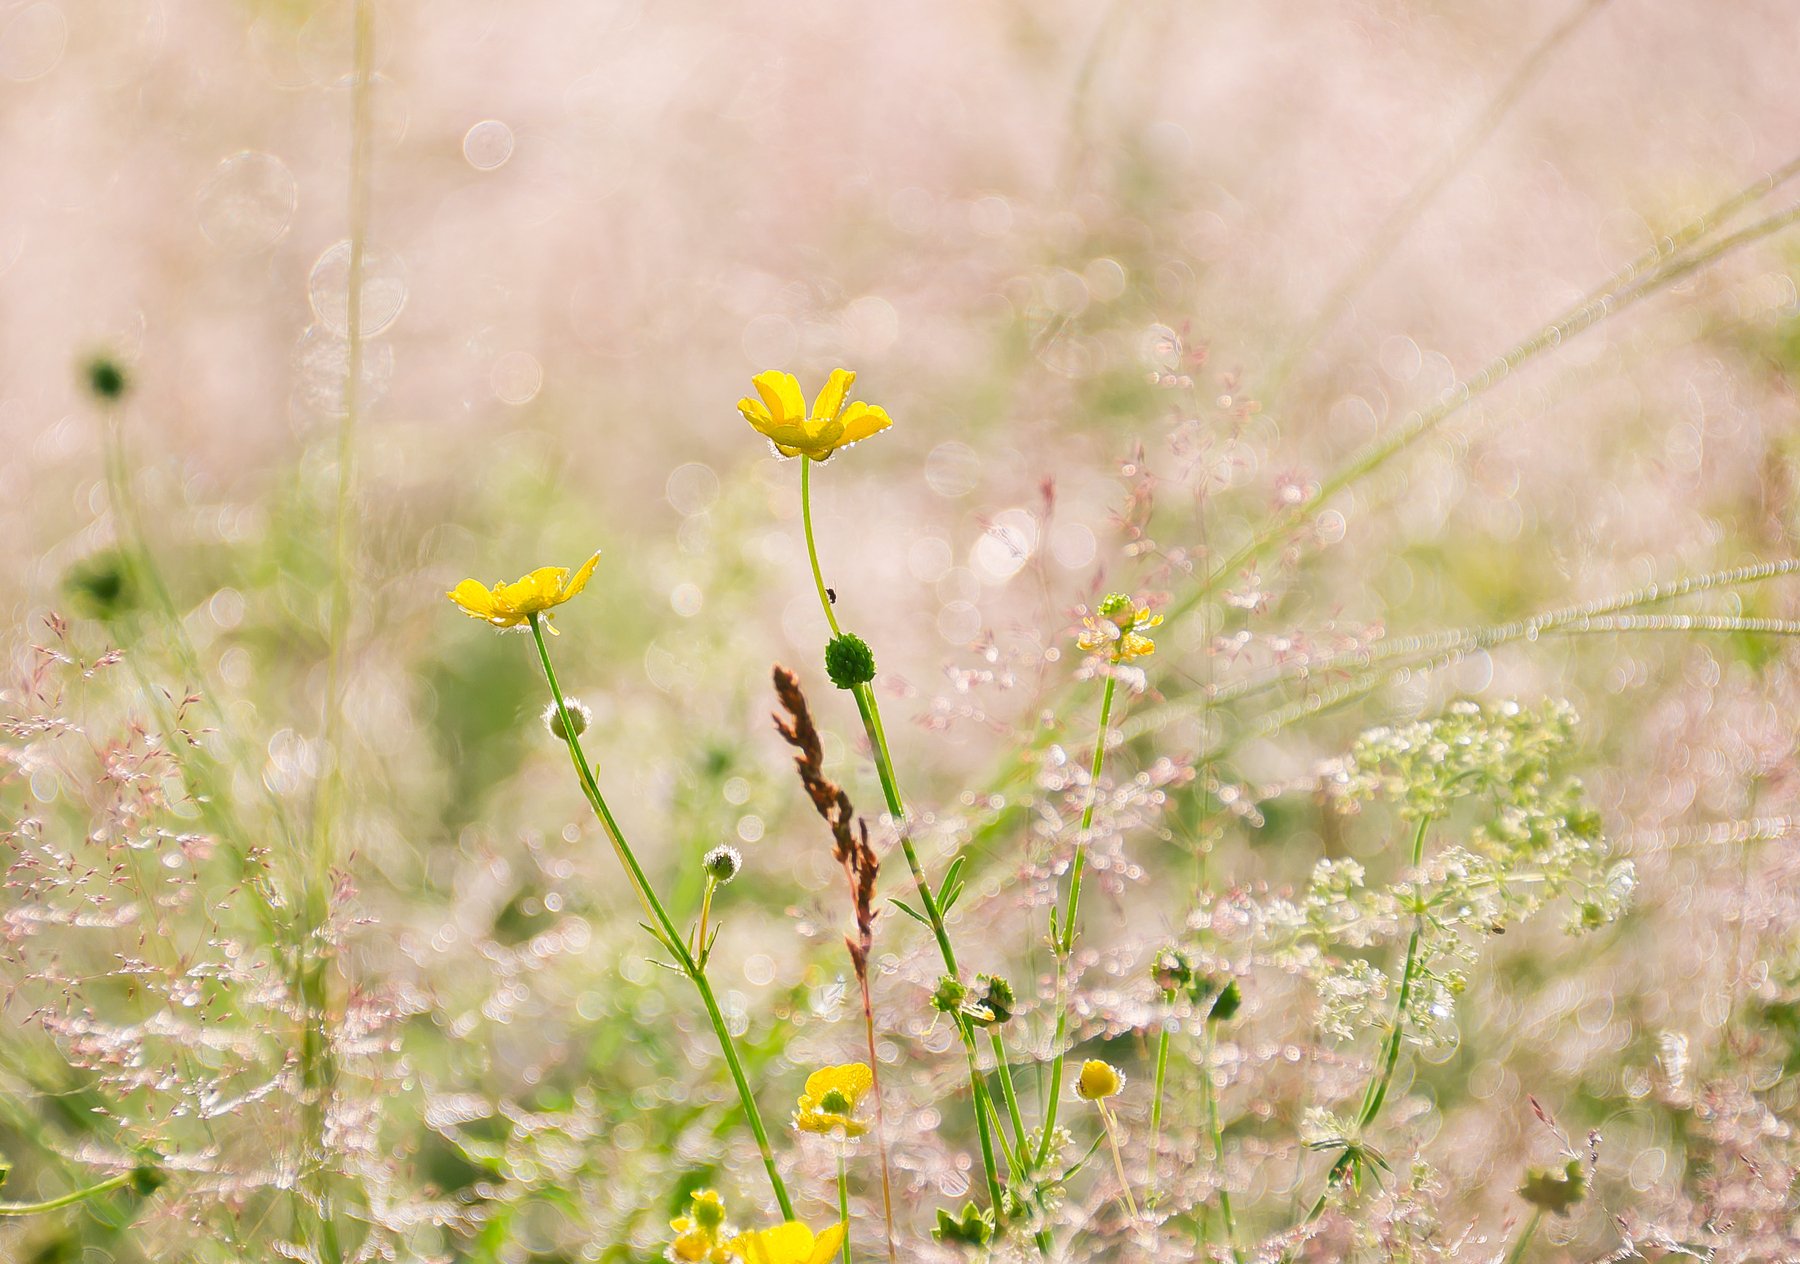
849 661
105 377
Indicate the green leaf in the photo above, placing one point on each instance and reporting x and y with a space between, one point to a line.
944 887
912 912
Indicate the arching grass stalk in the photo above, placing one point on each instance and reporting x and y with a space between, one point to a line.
869 710
663 929
1650 273
145 1179
1393 228
1427 650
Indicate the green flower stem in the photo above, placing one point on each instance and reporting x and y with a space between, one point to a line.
1211 1097
870 711
1156 1108
812 550
844 1203
1378 1089
1376 1094
70 1199
699 945
1517 1254
1008 1093
1065 942
664 926
1112 1139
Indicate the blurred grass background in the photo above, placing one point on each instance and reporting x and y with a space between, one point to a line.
590 224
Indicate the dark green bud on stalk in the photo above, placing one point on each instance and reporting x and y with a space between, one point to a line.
103 585
996 997
147 1178
1172 970
579 718
1555 1192
949 995
849 661
106 378
1225 999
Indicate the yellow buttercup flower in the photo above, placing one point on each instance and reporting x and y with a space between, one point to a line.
790 1243
1098 1082
831 1097
780 415
701 1235
1119 629
510 605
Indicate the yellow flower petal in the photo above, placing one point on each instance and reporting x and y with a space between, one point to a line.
474 598
580 580
790 1243
756 413
853 1079
862 420
781 394
828 1243
781 415
509 605
832 395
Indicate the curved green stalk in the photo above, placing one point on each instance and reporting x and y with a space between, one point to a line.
1649 274
70 1199
664 928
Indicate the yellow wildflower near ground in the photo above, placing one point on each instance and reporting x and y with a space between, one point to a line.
831 1097
790 1243
511 605
780 415
700 1236
1098 1081
1119 629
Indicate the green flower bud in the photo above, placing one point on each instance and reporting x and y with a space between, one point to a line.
1553 1191
849 661
147 1178
722 863
1225 1000
996 997
102 585
707 1209
579 716
105 377
1172 970
949 996
1114 604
